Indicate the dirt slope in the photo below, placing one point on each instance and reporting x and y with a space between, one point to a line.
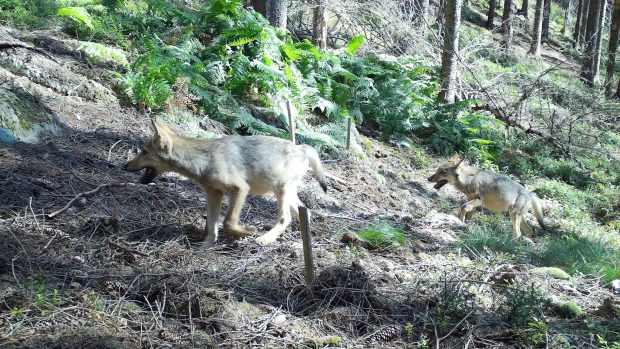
121 266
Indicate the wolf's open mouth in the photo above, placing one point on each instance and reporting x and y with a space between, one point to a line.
148 176
440 184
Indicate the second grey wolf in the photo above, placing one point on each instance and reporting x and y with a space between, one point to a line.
235 165
494 191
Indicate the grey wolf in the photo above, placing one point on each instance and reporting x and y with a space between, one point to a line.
494 191
233 165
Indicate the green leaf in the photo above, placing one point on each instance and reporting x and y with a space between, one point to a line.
354 44
482 141
78 14
241 42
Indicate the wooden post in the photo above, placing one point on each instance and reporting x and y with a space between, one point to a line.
348 133
291 121
306 238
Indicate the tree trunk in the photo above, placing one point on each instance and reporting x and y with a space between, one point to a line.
449 57
613 46
525 8
546 17
584 21
422 16
590 40
577 23
491 15
273 10
319 29
507 25
566 13
599 41
537 28
441 9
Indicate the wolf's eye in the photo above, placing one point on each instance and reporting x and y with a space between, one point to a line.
143 151
443 171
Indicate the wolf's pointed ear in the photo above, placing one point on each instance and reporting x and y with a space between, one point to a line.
455 158
163 135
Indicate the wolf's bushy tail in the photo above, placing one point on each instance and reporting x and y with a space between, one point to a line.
317 167
538 210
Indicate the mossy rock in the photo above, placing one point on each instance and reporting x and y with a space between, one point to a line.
568 310
555 273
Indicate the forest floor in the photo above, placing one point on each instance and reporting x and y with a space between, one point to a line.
122 266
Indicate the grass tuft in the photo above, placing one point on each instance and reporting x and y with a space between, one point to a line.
382 236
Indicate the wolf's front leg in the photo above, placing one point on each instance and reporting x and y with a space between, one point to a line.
214 205
237 197
468 208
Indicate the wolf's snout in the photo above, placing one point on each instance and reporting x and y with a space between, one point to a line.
430 179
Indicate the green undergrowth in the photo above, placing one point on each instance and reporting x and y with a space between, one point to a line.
242 71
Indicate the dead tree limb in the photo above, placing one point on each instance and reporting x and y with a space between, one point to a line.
501 115
115 184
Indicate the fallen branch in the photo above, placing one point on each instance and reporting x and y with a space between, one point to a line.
337 179
499 114
125 248
56 213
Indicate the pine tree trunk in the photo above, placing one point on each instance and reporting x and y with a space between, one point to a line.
566 13
441 9
273 10
525 8
577 23
423 6
507 25
449 57
611 49
260 6
491 15
590 40
584 21
537 29
544 37
319 30
599 41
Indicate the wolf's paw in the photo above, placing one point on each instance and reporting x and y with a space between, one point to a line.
529 241
266 239
241 232
203 247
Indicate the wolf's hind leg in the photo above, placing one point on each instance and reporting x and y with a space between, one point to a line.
294 203
284 218
518 223
214 205
231 222
527 230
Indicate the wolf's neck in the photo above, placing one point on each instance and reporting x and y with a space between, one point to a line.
465 182
190 157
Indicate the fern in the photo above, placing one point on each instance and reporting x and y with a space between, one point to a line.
77 14
247 59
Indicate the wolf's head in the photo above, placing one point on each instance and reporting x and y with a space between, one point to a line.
153 154
447 172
